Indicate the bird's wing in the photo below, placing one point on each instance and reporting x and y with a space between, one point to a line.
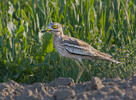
80 47
77 47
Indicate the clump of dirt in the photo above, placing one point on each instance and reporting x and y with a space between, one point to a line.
65 89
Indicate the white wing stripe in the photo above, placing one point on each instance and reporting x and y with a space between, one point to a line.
76 46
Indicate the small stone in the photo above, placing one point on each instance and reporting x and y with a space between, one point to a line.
96 83
129 95
82 96
117 91
62 81
64 94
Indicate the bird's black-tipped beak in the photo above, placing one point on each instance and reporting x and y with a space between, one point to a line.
46 30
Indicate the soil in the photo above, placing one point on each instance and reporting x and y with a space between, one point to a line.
65 89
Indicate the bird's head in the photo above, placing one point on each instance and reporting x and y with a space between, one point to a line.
54 28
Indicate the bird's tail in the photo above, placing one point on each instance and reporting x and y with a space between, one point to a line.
112 60
106 57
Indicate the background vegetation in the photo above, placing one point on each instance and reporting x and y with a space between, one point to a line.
28 56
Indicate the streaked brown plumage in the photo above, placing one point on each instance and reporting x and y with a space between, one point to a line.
74 48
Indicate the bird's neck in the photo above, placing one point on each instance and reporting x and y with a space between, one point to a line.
57 38
58 34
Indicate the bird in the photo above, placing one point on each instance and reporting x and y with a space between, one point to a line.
74 48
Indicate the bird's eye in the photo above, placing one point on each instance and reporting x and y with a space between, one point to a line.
54 26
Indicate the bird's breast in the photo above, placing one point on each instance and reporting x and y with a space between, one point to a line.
58 45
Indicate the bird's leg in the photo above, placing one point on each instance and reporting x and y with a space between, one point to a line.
80 71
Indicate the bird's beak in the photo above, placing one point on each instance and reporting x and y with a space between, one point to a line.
46 30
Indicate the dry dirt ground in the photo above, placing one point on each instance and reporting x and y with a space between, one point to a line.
66 89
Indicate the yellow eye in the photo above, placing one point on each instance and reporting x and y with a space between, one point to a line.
54 26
